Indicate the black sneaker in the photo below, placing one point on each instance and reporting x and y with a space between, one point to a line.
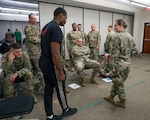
69 112
55 117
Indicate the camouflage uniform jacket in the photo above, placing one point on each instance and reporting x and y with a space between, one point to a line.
93 39
72 37
83 34
107 44
19 65
81 53
121 48
33 39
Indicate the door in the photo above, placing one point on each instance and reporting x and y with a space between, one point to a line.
146 40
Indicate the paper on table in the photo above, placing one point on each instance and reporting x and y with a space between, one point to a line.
107 79
74 86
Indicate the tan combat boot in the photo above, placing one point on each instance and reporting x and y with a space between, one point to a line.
67 91
109 99
140 56
30 92
83 84
93 80
120 103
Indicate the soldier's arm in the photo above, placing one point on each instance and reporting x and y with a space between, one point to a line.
30 35
68 38
98 40
27 65
6 66
87 39
75 52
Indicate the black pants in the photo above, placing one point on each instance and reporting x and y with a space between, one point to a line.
51 82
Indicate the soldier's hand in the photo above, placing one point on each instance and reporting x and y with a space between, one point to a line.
107 74
11 57
61 77
97 48
13 77
113 70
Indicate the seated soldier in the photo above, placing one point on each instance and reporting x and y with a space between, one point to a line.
5 45
16 64
81 55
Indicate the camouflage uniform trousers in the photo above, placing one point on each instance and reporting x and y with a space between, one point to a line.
118 82
9 86
81 64
94 53
106 67
71 58
37 73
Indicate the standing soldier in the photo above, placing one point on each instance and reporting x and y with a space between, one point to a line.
109 37
83 33
71 42
10 35
81 55
121 51
94 41
33 40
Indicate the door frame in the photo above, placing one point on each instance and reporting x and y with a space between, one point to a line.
144 35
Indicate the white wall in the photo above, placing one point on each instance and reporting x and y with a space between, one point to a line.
140 17
84 16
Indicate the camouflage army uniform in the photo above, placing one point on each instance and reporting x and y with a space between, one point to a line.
71 42
121 51
33 40
82 60
10 36
20 65
83 36
106 67
107 44
94 41
63 54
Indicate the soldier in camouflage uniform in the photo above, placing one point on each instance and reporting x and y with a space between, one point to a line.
81 60
108 39
10 35
71 42
121 51
83 34
94 41
33 40
16 64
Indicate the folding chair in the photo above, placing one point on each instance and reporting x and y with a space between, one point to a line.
18 105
